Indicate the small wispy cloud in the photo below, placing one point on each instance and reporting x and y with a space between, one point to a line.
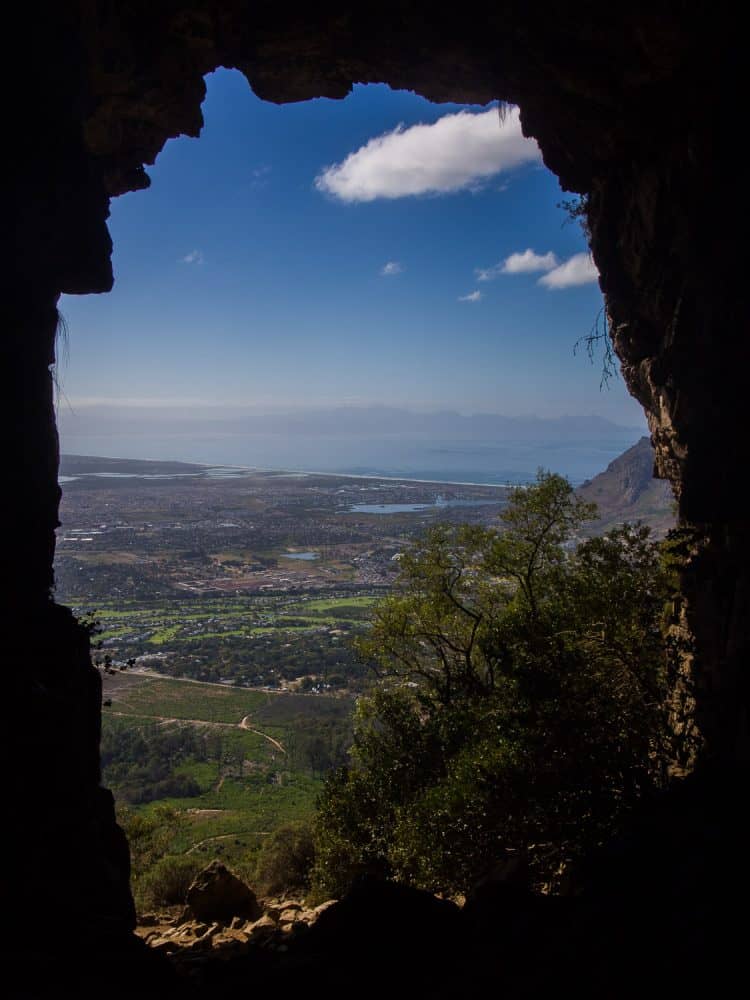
579 269
260 177
475 296
194 257
457 152
392 267
523 262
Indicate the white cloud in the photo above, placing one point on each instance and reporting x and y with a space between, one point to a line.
194 257
392 267
456 152
522 262
488 273
475 296
576 270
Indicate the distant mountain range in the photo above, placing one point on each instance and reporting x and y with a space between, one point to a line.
347 421
376 420
627 491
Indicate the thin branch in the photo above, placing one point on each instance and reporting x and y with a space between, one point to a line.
599 339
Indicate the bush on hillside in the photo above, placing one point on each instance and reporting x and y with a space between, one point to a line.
286 860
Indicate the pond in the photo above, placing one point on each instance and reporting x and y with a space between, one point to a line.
411 508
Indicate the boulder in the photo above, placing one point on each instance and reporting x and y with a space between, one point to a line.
164 944
265 925
217 895
263 932
230 942
378 917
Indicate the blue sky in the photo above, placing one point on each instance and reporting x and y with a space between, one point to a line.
327 253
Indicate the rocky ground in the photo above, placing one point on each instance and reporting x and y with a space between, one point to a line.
224 918
181 936
652 913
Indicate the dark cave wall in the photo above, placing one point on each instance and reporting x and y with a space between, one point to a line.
666 225
61 843
630 105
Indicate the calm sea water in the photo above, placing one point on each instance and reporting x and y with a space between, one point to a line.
411 458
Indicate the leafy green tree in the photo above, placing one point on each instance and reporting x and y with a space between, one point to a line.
520 709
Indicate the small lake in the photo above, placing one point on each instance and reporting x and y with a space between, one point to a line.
226 472
412 508
305 556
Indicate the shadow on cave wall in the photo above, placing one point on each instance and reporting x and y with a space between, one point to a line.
631 105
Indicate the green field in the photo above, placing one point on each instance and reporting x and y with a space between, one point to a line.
170 623
178 745
333 604
278 641
179 699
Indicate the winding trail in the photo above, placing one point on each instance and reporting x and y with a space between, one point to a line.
164 718
243 724
227 836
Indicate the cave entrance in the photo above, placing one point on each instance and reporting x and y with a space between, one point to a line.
298 271
630 108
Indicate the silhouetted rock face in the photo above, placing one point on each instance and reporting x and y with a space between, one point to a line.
217 894
632 105
377 914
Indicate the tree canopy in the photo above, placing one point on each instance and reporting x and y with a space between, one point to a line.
521 703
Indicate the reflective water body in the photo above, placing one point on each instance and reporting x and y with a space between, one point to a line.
411 508
487 462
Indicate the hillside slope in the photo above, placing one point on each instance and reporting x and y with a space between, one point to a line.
627 491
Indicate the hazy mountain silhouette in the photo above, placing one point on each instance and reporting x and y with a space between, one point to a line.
349 421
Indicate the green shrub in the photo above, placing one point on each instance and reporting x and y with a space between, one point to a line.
167 882
286 859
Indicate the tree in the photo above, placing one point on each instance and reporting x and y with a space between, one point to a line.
285 860
520 706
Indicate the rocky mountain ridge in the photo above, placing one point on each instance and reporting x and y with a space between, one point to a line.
628 491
